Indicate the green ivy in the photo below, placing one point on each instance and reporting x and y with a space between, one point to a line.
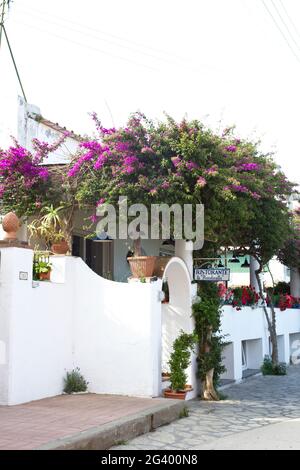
207 315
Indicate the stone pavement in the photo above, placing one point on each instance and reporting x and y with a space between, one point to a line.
81 421
260 413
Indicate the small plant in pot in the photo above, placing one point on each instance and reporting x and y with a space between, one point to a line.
51 229
42 270
74 382
179 361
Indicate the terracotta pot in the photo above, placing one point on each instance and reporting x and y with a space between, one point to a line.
44 276
179 395
142 266
60 248
10 225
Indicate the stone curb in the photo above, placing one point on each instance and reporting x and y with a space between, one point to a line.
107 435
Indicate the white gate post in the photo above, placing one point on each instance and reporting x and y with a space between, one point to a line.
184 250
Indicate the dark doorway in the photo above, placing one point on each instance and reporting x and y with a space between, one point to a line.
98 255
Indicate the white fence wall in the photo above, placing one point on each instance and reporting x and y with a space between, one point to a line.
112 331
250 325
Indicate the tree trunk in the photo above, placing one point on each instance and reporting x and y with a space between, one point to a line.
137 247
69 226
208 389
271 322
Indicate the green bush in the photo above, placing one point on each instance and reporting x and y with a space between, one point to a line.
281 288
75 382
268 368
180 360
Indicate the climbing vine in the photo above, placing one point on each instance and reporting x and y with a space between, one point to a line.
207 315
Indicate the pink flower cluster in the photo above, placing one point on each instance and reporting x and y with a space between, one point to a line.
18 162
248 167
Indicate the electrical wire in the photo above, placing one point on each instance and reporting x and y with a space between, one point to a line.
77 43
120 38
280 30
289 17
285 24
14 62
123 46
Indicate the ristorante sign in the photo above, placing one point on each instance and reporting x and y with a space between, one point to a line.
212 274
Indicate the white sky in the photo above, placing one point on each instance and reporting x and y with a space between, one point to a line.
210 59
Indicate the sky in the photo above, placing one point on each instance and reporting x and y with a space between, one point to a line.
221 61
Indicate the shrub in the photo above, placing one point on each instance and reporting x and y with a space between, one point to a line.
281 288
75 382
268 368
180 360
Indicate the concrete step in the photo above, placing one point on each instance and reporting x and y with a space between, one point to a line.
107 435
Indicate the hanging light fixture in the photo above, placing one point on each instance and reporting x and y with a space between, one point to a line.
245 264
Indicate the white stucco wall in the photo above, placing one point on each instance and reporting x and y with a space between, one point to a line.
112 331
248 325
117 333
177 316
30 128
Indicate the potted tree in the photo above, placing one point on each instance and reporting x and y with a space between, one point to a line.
179 361
51 229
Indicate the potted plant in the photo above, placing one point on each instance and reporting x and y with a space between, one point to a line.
141 266
42 270
179 362
51 228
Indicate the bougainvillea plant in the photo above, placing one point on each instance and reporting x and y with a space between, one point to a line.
178 163
25 182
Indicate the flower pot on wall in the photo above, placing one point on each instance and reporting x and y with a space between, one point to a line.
178 395
60 248
142 266
44 276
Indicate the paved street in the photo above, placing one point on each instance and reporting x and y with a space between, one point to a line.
261 413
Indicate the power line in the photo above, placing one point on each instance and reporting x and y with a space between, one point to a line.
289 17
120 38
286 26
123 46
280 30
3 4
14 62
77 43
